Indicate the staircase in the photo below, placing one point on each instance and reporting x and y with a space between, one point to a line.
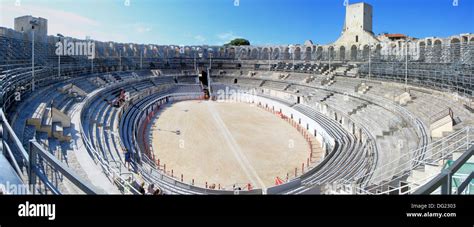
327 97
328 81
358 108
362 88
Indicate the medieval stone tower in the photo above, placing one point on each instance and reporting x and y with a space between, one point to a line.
357 25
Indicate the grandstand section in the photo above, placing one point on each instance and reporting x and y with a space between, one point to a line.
357 116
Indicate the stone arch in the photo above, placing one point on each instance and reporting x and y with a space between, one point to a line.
286 53
276 54
437 49
421 50
342 53
248 53
133 50
307 54
378 51
319 53
254 54
331 53
365 52
471 49
297 53
354 53
455 49
231 52
221 53
265 54
205 52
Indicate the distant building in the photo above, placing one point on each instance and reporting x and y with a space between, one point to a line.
385 37
357 28
23 24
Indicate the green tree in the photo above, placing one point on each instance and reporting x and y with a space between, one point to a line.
238 42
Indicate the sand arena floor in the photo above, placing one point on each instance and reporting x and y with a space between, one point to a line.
226 144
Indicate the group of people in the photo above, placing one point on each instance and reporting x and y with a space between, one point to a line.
150 190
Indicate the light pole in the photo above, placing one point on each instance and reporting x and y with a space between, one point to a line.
120 60
33 24
195 66
370 69
210 58
329 57
141 58
292 52
92 58
59 56
270 61
406 64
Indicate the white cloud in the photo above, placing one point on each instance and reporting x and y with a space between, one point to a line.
227 36
142 28
200 38
59 21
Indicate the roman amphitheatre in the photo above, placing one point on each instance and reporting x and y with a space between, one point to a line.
364 114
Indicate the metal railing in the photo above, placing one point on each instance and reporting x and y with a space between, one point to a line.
34 161
39 158
445 178
436 152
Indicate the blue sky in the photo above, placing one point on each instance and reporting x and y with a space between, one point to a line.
186 22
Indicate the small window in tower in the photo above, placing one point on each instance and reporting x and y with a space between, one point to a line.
21 28
357 38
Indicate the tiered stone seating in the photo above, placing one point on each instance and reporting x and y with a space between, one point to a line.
275 85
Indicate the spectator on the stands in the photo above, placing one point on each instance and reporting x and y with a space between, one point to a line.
128 158
157 192
141 189
151 189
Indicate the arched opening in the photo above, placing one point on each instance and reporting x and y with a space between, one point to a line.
231 52
455 49
365 52
319 53
254 54
307 55
276 53
378 52
342 53
437 51
221 52
204 53
422 50
204 79
471 48
354 53
331 53
265 54
286 53
187 52
297 53
242 53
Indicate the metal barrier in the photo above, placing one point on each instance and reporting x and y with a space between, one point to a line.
445 178
35 160
438 151
38 155
111 173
